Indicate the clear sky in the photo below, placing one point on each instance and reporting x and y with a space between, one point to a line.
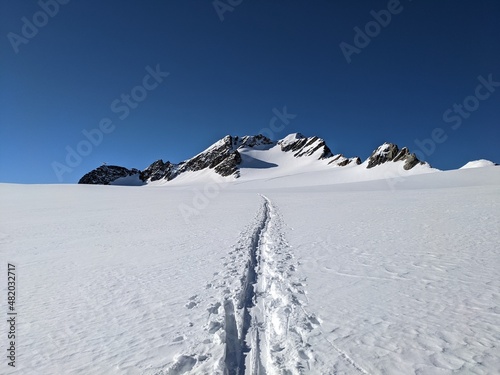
100 67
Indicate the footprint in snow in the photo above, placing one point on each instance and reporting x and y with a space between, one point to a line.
314 320
192 302
214 327
214 309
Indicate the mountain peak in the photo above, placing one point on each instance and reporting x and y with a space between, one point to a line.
224 157
106 174
252 141
391 152
291 138
305 146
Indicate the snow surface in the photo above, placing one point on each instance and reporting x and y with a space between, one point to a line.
310 273
478 164
290 138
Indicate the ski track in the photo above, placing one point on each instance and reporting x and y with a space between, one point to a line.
257 322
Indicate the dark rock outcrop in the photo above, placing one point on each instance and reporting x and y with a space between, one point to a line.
229 165
158 170
305 146
224 158
391 152
252 141
308 146
341 161
410 160
211 157
346 161
106 174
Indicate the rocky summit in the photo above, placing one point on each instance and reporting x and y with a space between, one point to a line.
106 174
224 158
391 152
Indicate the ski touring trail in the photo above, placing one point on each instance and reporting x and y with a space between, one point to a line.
256 317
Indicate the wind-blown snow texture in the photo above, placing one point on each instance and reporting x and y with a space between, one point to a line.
290 275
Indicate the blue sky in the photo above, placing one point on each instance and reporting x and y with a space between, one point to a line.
230 76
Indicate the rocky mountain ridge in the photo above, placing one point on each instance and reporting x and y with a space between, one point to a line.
224 158
105 174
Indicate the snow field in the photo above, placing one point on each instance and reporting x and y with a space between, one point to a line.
105 274
327 279
257 318
403 282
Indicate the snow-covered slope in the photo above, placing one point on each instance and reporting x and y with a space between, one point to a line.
258 158
304 161
293 274
478 164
